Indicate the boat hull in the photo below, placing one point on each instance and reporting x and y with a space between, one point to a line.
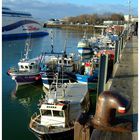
65 135
85 51
84 79
47 79
19 25
18 36
26 79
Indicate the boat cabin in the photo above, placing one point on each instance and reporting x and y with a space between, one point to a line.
66 63
84 43
54 114
28 66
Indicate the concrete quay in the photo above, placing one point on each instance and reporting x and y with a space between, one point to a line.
124 81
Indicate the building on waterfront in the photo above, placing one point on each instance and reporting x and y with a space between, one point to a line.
111 22
54 22
132 18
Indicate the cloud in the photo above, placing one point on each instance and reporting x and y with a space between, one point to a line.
46 10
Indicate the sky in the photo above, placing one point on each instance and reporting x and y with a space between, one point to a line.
46 9
92 2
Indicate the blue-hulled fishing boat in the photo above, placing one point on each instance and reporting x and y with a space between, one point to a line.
88 74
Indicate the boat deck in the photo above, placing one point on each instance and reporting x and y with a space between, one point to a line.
74 92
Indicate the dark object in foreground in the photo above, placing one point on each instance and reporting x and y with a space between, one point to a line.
108 103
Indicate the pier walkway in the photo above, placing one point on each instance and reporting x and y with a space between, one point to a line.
125 80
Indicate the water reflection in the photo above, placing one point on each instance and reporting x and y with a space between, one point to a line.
27 95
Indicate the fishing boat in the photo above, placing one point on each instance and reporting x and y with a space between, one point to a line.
107 43
60 69
88 75
59 66
109 38
84 48
28 70
58 112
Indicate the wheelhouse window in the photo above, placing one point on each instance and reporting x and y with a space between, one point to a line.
58 113
60 61
26 67
68 62
46 112
30 67
22 67
65 61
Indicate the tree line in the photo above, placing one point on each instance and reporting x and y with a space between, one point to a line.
95 18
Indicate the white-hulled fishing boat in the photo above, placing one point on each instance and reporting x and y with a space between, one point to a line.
28 70
84 47
59 111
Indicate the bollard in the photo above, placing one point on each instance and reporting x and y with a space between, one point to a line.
108 103
102 73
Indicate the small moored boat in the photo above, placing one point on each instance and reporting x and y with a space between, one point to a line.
28 70
84 47
59 69
59 111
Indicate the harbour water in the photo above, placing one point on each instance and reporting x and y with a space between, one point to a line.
18 106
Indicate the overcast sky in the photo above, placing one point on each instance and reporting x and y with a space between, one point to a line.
45 9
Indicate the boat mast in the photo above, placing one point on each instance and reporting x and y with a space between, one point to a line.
56 85
85 34
63 57
27 47
62 77
52 37
65 46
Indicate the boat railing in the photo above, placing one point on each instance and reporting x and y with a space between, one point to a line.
35 124
37 127
13 69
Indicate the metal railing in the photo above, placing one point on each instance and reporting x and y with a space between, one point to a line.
36 126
